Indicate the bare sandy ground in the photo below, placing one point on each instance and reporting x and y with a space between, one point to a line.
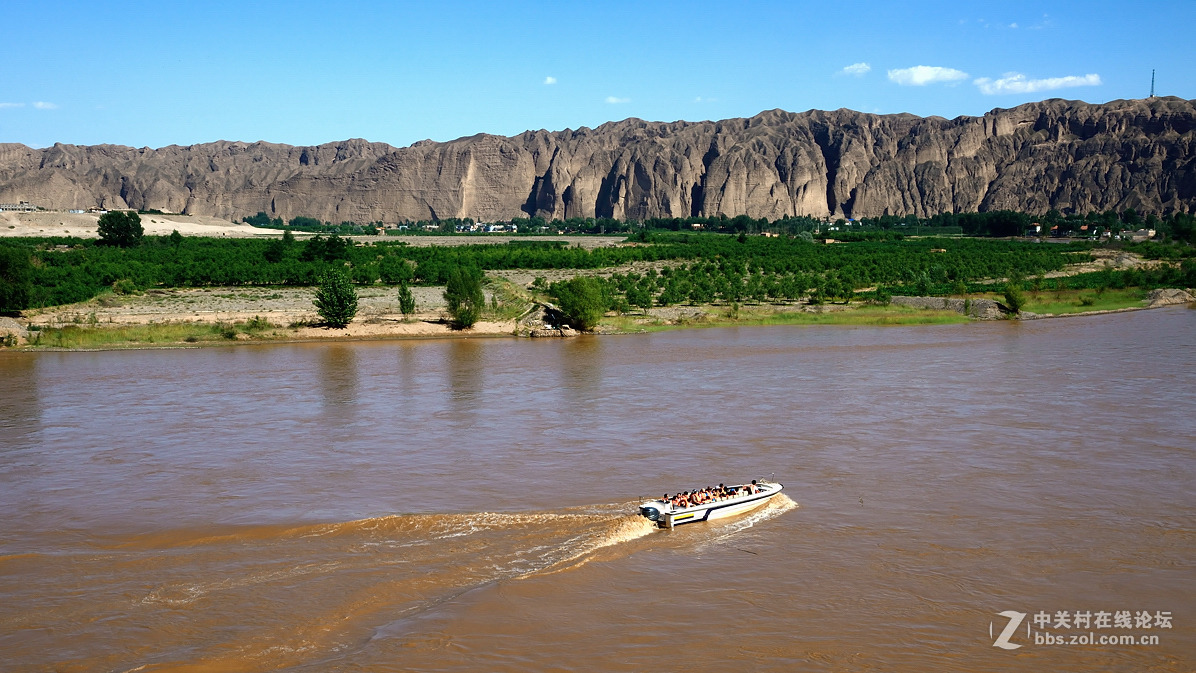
290 310
281 306
83 225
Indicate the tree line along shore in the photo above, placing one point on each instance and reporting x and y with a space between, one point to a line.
655 278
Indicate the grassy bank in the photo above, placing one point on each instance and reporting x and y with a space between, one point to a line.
509 302
1066 302
87 337
1079 301
753 316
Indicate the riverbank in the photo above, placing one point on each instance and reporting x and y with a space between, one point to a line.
221 316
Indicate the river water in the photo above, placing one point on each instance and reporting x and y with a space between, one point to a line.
467 504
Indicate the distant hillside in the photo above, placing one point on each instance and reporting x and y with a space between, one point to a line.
1068 155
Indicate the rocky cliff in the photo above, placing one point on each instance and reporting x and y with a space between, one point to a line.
1068 155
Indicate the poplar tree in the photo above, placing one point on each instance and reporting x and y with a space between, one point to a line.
463 293
406 300
336 300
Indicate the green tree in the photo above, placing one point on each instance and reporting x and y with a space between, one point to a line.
395 270
1014 299
176 239
302 222
336 300
581 300
406 300
922 285
883 296
274 250
328 249
463 293
121 228
16 279
640 295
832 287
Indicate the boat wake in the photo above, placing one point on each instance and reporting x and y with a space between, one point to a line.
777 506
299 593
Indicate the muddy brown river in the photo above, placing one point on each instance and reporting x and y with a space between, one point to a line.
982 497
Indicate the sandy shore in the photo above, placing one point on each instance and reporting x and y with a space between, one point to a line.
83 225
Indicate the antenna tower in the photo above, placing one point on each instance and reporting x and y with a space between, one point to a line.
1152 82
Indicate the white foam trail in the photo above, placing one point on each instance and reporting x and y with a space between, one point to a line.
776 507
184 594
627 528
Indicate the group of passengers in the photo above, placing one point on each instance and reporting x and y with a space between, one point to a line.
705 496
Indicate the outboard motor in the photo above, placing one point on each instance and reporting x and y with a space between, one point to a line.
653 511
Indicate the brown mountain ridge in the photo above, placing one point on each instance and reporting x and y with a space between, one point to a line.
1069 155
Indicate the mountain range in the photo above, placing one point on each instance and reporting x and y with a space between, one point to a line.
1068 155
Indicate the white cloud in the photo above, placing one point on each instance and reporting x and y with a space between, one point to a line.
614 100
1013 25
43 105
857 69
550 80
707 99
921 75
1015 82
8 105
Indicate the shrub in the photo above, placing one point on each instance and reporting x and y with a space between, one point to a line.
883 296
336 300
406 300
124 286
257 324
1014 299
463 292
581 300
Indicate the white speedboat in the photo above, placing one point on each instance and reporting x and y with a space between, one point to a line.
667 515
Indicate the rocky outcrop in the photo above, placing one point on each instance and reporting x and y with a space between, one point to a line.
1169 297
1069 155
12 333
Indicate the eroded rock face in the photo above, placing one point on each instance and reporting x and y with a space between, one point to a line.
1068 155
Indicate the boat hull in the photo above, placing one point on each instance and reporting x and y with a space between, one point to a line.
670 518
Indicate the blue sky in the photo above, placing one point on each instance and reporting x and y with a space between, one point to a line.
162 73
